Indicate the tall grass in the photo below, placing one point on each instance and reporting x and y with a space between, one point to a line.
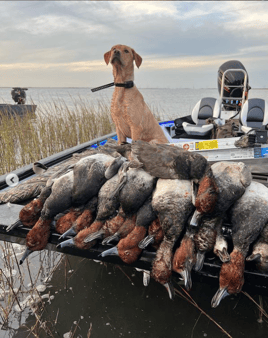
57 127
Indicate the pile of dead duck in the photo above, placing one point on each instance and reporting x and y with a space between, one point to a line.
135 195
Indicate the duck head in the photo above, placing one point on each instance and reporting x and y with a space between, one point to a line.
184 260
205 198
231 277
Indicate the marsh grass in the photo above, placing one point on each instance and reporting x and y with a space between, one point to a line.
24 140
56 127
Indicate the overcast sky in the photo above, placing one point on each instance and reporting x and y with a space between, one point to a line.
61 44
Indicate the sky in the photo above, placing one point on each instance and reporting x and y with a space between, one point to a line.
182 44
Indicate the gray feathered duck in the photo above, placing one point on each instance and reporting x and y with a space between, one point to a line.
249 216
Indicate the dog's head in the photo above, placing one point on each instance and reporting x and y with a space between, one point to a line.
123 56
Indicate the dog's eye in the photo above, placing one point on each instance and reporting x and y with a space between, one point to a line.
126 51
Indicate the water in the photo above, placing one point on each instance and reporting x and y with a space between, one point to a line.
113 300
171 103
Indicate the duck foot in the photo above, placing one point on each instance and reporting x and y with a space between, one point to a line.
219 295
14 225
146 241
27 252
95 235
254 257
70 232
109 239
110 252
68 242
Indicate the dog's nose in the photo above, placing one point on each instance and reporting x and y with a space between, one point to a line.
116 52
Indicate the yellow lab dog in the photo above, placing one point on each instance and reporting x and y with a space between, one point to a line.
131 115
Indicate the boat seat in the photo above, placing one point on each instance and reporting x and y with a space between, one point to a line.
204 109
254 115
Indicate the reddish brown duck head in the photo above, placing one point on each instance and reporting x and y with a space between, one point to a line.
231 277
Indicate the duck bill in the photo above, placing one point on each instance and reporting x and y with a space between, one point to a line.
69 233
119 187
110 252
146 241
200 258
67 243
146 277
223 255
186 275
14 225
27 252
109 239
218 297
254 257
170 289
196 218
93 236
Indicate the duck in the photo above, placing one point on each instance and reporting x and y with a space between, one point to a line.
77 218
127 248
107 209
155 235
249 215
231 179
172 201
79 185
170 162
185 257
137 188
259 253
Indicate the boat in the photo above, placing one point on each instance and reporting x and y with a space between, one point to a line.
20 108
187 133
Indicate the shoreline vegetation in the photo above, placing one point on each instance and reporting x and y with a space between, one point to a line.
56 127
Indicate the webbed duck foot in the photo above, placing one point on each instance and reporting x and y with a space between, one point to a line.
110 252
26 253
170 289
200 258
223 255
219 295
109 239
68 242
69 232
14 225
146 241
95 235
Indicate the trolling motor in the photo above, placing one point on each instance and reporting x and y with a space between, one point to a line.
18 95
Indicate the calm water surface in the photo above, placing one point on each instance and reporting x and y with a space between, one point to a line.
113 300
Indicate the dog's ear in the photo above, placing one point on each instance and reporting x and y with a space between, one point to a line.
107 57
137 58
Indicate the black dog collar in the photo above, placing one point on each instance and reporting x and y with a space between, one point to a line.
127 84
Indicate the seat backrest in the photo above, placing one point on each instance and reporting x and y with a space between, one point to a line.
205 108
254 113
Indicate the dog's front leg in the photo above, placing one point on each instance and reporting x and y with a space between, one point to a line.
120 136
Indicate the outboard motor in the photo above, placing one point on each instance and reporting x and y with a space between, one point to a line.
235 85
18 95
